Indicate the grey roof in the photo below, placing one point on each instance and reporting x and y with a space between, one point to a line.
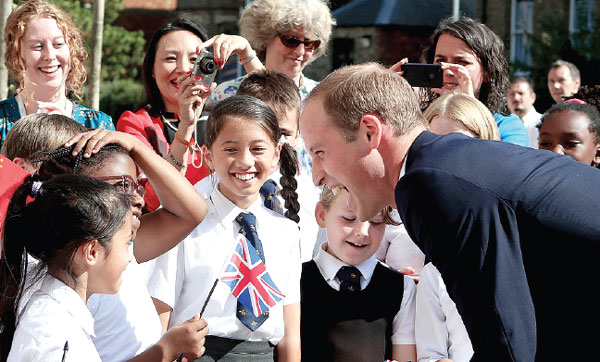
398 12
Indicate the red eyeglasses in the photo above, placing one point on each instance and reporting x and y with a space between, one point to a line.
126 185
293 42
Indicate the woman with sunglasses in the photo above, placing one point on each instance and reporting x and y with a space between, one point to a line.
126 324
287 36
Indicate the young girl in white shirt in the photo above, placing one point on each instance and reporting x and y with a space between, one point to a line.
243 146
79 229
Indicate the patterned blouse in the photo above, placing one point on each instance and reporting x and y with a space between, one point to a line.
92 119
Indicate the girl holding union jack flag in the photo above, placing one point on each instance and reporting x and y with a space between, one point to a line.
240 268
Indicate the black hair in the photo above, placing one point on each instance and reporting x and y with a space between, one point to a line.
154 103
588 94
588 110
66 212
489 49
254 109
61 161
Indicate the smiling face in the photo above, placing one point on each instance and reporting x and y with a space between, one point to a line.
45 55
450 49
349 239
243 156
567 133
356 165
289 61
175 55
123 165
113 261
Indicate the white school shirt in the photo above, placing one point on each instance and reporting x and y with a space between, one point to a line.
126 323
54 314
397 248
308 196
403 328
530 121
182 277
439 328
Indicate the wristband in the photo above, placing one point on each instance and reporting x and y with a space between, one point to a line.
174 160
188 144
247 59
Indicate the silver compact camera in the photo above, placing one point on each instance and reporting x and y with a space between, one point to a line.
205 67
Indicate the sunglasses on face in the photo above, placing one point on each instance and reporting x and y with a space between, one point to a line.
126 185
293 42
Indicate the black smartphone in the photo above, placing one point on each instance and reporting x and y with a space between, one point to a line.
423 75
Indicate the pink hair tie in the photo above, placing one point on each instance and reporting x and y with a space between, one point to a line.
574 100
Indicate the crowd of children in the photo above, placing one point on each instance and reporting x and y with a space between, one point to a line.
252 262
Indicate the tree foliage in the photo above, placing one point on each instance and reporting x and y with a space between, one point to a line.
122 49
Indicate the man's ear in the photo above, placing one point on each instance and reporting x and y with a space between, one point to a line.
320 214
371 129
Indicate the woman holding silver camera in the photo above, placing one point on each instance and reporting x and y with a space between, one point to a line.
174 99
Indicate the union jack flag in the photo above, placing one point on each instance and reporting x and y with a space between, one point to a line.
247 276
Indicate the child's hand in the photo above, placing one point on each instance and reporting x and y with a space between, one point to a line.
93 141
411 273
186 338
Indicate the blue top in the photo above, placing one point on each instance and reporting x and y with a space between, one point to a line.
512 129
9 114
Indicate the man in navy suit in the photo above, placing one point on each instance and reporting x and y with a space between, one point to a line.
515 232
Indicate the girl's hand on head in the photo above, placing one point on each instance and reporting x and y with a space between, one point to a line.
187 338
191 96
224 45
462 76
91 142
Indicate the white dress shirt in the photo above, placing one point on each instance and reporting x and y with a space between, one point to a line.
531 120
54 315
439 328
126 323
184 276
403 329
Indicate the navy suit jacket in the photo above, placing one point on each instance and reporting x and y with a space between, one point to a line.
515 233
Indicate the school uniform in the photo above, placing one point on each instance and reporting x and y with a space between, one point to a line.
184 276
438 326
398 250
54 315
380 315
126 323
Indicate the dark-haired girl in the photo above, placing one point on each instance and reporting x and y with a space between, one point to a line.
243 147
79 229
126 324
572 129
174 100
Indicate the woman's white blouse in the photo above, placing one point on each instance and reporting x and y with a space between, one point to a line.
184 276
54 315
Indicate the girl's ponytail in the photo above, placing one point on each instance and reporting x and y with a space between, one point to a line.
288 162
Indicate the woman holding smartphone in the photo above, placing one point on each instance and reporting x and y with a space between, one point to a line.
174 100
473 62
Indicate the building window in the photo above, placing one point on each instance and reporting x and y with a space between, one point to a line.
521 26
581 16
